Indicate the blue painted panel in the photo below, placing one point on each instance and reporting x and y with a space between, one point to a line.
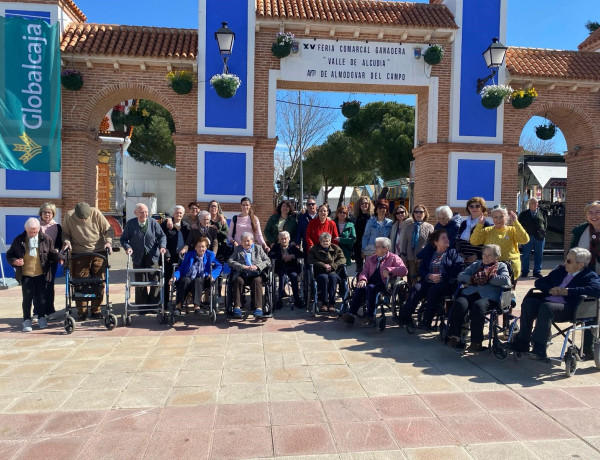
14 226
28 14
481 23
475 178
27 180
9 271
219 112
231 179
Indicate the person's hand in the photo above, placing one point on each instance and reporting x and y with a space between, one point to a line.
471 259
128 251
108 247
61 262
361 283
386 273
512 217
163 250
337 239
235 243
169 223
18 263
67 245
435 278
481 219
209 278
171 281
253 268
328 267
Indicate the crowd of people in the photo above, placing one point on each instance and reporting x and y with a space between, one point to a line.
480 251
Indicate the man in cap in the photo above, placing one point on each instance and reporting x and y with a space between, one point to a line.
144 240
85 229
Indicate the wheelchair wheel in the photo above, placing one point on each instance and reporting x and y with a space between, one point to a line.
399 294
213 316
570 363
597 354
110 321
69 324
499 351
381 323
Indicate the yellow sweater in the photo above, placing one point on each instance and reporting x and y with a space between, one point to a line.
508 238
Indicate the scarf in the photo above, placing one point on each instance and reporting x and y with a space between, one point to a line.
415 235
471 223
50 229
33 245
248 256
484 274
196 268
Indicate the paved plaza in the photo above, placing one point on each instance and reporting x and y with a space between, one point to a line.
293 386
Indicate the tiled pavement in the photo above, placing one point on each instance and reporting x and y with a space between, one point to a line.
291 387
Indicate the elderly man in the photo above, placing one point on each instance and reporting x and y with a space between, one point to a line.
145 241
561 290
371 281
85 229
32 254
535 222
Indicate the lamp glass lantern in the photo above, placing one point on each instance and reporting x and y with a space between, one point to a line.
494 54
225 38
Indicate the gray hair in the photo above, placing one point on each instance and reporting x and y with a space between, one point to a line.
324 236
284 233
49 206
181 208
32 222
444 210
139 205
385 242
582 255
494 247
500 208
203 214
247 235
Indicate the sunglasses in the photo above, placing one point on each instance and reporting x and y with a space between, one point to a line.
474 206
400 212
499 206
418 212
342 212
311 204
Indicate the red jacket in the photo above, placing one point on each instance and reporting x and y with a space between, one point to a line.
315 228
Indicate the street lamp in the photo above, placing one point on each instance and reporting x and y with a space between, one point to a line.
225 38
494 57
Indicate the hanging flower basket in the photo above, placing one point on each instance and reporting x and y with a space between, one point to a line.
492 96
181 81
283 45
71 79
350 109
135 117
434 54
546 131
521 99
225 84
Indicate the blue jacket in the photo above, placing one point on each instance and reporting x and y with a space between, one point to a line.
493 289
586 282
451 229
451 263
303 220
151 242
374 230
209 259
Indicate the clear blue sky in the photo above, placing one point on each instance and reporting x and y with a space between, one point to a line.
553 24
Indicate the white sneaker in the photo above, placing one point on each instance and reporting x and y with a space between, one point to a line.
27 325
34 319
43 322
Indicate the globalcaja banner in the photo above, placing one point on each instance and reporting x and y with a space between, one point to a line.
30 120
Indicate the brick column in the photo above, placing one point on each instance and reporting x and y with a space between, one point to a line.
79 160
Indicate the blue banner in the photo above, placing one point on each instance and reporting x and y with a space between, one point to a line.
30 117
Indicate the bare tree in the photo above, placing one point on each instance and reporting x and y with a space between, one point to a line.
301 124
531 143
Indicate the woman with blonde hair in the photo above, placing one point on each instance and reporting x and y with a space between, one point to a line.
363 210
48 226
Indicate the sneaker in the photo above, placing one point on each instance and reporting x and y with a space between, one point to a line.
348 318
331 308
34 319
43 322
323 308
27 325
368 321
453 342
258 313
538 356
237 312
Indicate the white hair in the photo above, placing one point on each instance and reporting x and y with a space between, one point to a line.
247 235
324 236
582 255
495 249
385 242
284 233
203 214
181 208
32 222
445 211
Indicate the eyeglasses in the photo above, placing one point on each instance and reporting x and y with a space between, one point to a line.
46 212
311 204
364 202
400 212
418 212
342 212
474 206
569 261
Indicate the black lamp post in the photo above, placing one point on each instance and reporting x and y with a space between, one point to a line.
494 57
225 38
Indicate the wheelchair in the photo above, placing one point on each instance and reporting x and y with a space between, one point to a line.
586 319
209 308
287 287
311 291
268 283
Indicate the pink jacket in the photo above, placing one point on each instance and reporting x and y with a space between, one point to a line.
391 262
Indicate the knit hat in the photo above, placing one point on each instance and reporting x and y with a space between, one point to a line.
83 210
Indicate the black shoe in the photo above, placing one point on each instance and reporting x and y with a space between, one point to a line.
97 315
403 322
348 318
538 275
524 275
538 356
516 346
278 305
81 317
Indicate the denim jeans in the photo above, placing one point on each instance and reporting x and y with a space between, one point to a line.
538 248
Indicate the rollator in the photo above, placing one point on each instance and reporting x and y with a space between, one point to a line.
155 280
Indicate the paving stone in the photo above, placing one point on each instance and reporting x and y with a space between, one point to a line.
362 436
303 440
243 442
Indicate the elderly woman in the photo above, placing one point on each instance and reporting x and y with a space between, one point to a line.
218 220
587 235
48 226
244 222
346 231
363 211
192 217
561 291
195 273
32 254
413 239
447 222
484 280
283 219
371 281
204 229
177 231
326 260
439 267
475 208
247 262
320 225
400 218
507 233
287 256
377 226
